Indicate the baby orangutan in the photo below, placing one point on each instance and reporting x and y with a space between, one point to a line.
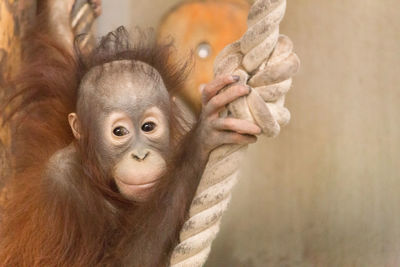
114 191
126 108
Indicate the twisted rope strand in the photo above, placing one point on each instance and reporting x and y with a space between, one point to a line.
264 60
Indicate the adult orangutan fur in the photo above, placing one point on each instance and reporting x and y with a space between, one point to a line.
65 204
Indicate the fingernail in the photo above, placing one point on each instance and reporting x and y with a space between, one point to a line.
201 87
236 78
249 87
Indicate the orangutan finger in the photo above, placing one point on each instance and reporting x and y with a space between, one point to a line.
239 139
212 88
97 8
237 125
221 100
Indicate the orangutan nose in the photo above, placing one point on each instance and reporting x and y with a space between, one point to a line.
140 155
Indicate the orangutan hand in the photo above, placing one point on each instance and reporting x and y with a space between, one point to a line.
215 131
96 5
64 7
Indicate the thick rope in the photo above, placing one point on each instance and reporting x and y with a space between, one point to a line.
264 60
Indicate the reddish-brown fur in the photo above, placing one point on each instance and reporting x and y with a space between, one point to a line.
45 223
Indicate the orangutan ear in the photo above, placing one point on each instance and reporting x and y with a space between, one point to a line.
74 123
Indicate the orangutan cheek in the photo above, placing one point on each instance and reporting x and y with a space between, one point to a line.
135 179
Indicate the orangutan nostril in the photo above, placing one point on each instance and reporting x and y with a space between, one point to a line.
140 156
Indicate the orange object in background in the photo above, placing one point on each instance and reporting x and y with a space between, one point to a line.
204 28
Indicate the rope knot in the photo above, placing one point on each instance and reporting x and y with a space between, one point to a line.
264 60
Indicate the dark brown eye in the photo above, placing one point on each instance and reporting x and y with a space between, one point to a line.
148 126
120 131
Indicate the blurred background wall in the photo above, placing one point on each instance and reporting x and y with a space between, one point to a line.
326 192
131 13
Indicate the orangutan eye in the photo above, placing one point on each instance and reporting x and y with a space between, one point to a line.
120 131
148 126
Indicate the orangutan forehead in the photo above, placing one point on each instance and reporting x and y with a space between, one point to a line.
113 70
123 81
